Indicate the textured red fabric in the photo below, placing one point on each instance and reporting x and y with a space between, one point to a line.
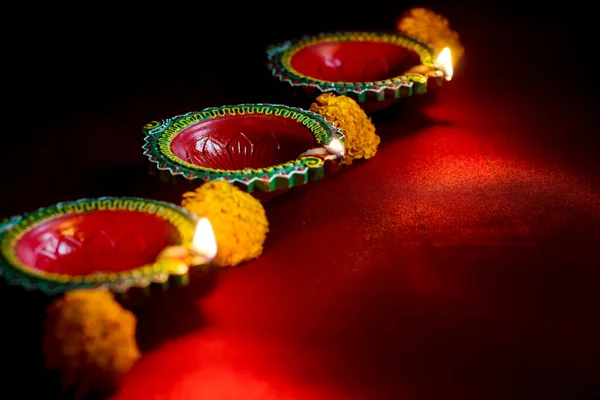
457 263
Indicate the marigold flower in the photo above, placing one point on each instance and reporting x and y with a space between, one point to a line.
238 220
430 28
90 339
361 141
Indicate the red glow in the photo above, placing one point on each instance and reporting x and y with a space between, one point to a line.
96 241
429 269
242 141
354 61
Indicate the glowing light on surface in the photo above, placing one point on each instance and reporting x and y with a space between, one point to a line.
204 241
444 60
336 147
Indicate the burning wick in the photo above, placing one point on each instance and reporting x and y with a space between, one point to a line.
332 151
336 148
444 63
202 250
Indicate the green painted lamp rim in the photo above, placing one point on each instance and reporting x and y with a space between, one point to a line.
159 134
404 85
16 273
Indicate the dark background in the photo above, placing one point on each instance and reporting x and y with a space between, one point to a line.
79 81
100 62
97 54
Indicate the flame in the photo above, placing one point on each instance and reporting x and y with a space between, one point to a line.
444 60
204 241
336 146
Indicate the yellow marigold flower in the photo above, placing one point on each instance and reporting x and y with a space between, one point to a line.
90 339
238 220
361 141
430 28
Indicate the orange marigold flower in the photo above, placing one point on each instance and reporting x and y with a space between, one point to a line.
90 339
239 220
430 28
361 141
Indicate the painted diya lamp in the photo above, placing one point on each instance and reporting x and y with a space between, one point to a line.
257 147
126 245
374 68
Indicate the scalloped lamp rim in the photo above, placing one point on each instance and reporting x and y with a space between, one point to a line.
261 179
279 56
16 273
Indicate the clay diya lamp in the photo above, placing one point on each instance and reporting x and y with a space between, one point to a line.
374 68
109 242
260 148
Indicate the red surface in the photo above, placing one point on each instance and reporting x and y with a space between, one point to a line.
461 262
97 241
242 141
353 61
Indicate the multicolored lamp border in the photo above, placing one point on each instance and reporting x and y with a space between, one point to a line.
279 63
16 273
159 134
